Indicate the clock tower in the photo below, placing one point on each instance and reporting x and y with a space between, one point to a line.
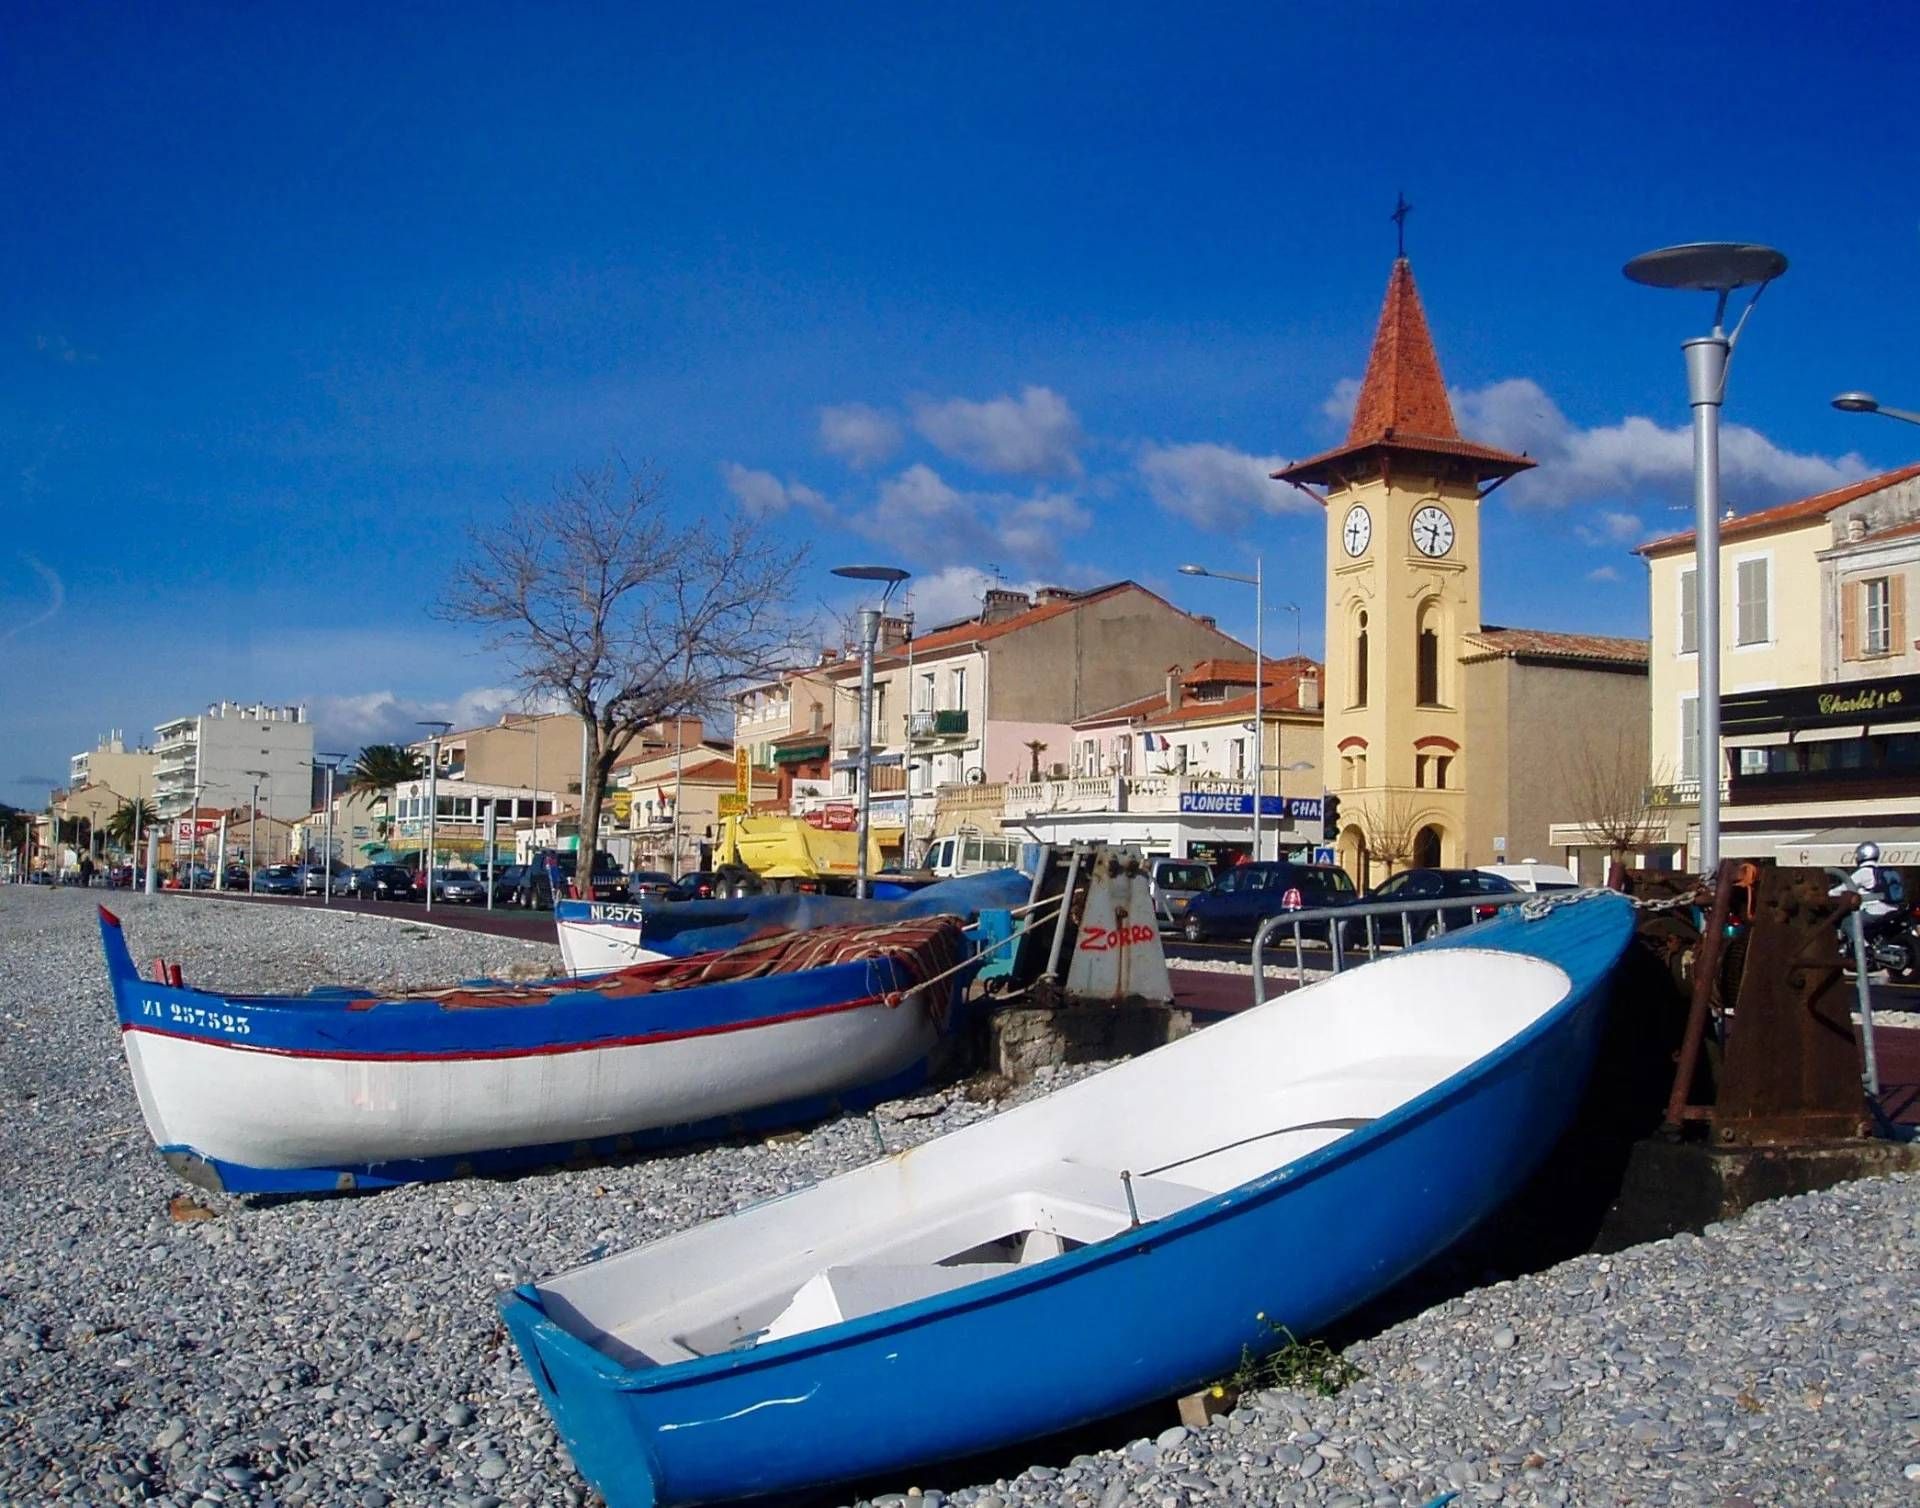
1403 587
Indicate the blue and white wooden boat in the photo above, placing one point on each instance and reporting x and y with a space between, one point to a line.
596 935
345 1088
1118 1242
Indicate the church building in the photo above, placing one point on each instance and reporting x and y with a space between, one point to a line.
1447 741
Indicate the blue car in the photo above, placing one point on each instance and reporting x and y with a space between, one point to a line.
1246 895
277 879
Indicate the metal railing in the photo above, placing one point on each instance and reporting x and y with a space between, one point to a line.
1366 916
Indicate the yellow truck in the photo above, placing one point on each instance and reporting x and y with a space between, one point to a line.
787 853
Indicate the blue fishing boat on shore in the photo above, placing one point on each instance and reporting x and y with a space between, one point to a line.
596 935
1117 1242
348 1088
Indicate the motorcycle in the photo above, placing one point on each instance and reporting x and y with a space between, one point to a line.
1889 926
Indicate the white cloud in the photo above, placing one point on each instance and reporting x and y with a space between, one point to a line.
918 493
920 515
761 492
859 434
56 599
1215 485
380 717
1036 434
1635 457
955 592
1338 405
1603 573
1611 526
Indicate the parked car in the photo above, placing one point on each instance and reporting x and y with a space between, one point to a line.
1437 885
650 885
386 882
346 881
1246 895
507 883
461 885
276 879
536 888
313 879
234 877
728 880
1531 875
1173 883
196 875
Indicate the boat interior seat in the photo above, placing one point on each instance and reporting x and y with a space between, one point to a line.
1028 1215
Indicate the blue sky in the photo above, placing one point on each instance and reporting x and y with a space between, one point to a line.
289 299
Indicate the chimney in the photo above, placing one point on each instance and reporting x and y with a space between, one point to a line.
1206 620
1856 529
893 634
1043 595
1309 690
1001 604
1173 688
829 656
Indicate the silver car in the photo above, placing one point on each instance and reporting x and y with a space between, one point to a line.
1174 882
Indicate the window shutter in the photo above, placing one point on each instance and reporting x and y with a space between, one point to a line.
1850 620
1897 613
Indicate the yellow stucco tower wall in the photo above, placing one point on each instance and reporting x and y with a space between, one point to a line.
1403 588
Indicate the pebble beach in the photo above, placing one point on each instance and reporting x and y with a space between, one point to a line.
346 1351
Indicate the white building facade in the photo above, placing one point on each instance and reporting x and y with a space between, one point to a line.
210 759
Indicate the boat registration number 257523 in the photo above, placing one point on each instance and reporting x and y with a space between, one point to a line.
1106 939
173 1013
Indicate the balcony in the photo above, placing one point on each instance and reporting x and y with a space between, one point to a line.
931 727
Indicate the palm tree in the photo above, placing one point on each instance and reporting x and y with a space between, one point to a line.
380 767
120 826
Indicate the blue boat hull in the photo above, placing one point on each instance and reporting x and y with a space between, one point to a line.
1142 1316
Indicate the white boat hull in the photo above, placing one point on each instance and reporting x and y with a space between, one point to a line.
595 947
275 1110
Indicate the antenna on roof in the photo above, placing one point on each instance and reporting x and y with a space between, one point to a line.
1401 209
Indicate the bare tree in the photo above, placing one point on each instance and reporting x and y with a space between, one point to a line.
606 603
1611 784
1388 826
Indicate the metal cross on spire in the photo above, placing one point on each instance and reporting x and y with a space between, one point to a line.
1401 209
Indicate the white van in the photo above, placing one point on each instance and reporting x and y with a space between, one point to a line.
970 853
1530 874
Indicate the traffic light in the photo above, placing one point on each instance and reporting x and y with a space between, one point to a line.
1329 817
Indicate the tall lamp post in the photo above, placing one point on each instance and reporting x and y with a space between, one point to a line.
1259 731
870 617
1719 268
440 727
253 828
1866 403
326 842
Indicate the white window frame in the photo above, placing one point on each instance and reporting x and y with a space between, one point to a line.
1765 558
923 692
1689 597
1689 735
1869 644
957 689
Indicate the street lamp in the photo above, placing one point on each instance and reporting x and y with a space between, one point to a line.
326 843
253 828
870 617
1716 267
1866 403
1259 732
440 727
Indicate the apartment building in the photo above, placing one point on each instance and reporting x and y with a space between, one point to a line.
1173 772
971 701
218 758
1814 644
785 723
537 753
128 773
668 812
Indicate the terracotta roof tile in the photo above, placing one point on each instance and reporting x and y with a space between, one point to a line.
1403 404
1494 642
1282 697
1786 515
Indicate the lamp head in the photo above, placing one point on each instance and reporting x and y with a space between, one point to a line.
1194 570
1856 403
1707 266
892 575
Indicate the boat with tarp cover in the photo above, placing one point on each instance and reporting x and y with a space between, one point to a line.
1119 1241
363 1087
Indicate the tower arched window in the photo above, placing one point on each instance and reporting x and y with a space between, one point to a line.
1360 662
1428 690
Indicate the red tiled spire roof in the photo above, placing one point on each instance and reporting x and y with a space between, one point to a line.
1403 407
1403 391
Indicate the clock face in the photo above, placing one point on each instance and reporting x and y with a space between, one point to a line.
1432 531
1357 531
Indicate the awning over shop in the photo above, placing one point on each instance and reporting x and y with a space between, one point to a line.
1834 846
800 753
